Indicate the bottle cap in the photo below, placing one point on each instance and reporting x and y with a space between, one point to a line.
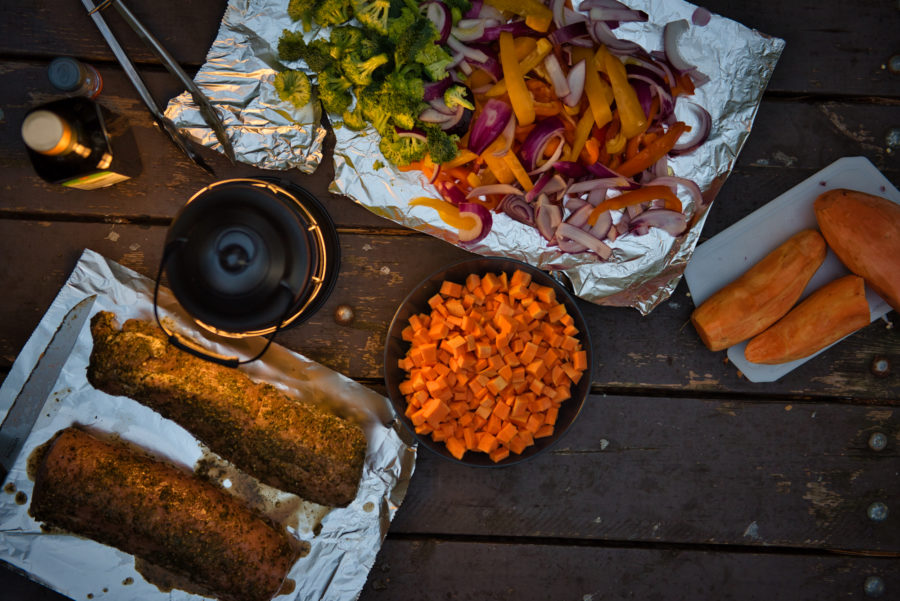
65 73
46 132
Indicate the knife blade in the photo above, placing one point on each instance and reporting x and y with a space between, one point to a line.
27 406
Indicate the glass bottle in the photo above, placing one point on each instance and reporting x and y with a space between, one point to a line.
78 143
74 77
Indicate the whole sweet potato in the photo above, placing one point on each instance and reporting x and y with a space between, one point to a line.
864 232
833 311
762 295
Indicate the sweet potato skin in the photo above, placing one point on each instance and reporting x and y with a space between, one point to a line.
833 311
864 232
762 295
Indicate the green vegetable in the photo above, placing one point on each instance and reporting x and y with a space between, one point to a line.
360 73
334 91
332 12
316 54
441 146
294 87
457 95
354 120
373 14
402 150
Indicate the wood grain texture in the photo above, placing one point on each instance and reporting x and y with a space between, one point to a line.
669 470
659 352
522 572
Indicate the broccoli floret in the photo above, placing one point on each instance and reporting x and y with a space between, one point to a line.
346 40
292 47
294 87
355 120
302 10
373 14
402 150
441 147
435 60
458 95
360 73
462 6
334 91
332 12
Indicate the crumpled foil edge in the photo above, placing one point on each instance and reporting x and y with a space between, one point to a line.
341 553
645 269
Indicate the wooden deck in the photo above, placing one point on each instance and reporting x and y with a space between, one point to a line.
681 479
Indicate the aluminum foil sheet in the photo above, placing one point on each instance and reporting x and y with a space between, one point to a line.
643 270
342 542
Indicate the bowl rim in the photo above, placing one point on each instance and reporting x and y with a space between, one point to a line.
429 286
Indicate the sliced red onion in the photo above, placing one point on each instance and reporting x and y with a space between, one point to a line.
547 217
435 90
567 231
432 115
557 76
671 33
508 135
517 28
597 195
491 66
633 211
483 222
518 208
451 193
563 15
601 227
466 51
579 216
602 34
489 189
548 164
468 30
690 185
567 34
489 124
439 14
539 186
604 182
489 12
673 222
651 72
435 174
700 16
644 95
455 118
533 147
573 204
700 131
475 9
555 186
623 223
575 80
570 168
411 133
617 14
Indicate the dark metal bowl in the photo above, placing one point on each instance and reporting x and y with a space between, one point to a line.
417 302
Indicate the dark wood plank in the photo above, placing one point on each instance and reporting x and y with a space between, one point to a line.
542 572
834 49
633 353
759 473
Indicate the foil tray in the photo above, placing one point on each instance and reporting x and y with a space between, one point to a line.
342 542
643 271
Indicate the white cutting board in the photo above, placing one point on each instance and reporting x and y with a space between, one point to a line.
730 253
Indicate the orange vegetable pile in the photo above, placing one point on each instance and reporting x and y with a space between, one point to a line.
489 366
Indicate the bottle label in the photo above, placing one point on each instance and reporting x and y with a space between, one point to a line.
100 179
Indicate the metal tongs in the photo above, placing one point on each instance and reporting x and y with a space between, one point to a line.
206 108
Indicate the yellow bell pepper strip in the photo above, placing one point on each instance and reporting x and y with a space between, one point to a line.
633 197
634 121
465 156
449 214
616 144
653 151
519 96
582 132
531 60
525 8
594 88
518 170
539 22
496 164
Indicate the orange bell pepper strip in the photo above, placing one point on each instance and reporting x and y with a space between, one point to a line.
519 96
598 92
633 197
449 214
524 8
634 121
653 151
